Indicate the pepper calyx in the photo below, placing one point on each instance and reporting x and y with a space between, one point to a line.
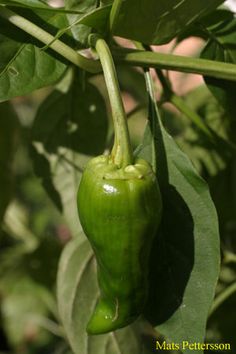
108 170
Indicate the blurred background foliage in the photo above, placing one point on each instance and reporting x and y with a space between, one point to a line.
33 232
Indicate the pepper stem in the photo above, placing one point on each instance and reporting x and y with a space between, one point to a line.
121 153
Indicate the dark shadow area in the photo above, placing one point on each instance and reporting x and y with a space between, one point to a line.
172 258
223 324
224 92
9 134
172 255
42 169
76 120
41 265
223 192
4 345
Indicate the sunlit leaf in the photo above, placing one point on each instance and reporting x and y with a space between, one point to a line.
24 66
80 32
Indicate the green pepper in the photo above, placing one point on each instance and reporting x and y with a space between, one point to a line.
119 211
119 205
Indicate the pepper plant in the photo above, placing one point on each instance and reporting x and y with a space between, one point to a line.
146 205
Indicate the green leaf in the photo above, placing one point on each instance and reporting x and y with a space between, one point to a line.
60 174
68 129
185 259
77 293
16 224
156 23
200 27
34 5
22 308
80 32
208 155
221 47
24 67
25 3
8 139
97 19
76 120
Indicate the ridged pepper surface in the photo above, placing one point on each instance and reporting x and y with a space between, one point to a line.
120 210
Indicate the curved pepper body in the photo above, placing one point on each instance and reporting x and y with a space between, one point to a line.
120 210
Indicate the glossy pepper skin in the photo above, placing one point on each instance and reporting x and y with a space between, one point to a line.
120 210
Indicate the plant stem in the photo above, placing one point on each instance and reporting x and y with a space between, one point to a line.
114 14
179 103
229 257
152 116
141 58
224 295
175 62
121 153
49 325
48 39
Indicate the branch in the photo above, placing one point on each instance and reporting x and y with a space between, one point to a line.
205 67
125 56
